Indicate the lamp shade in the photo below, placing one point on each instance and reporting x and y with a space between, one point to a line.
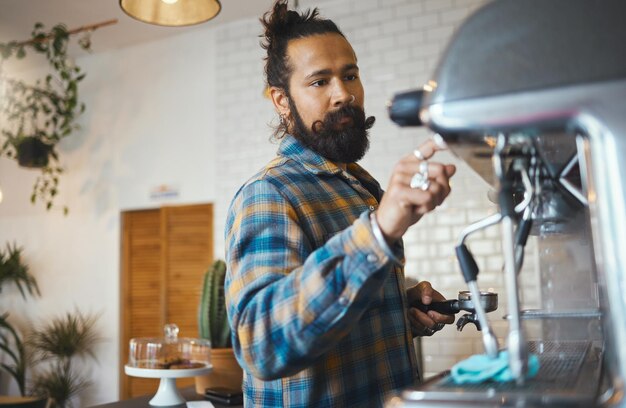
171 12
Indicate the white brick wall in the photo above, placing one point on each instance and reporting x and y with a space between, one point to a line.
398 43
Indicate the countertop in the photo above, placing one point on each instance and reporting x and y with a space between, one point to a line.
188 393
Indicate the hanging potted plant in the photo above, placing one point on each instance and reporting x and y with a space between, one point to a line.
33 152
213 325
39 116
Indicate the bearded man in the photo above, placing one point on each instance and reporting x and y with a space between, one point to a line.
315 284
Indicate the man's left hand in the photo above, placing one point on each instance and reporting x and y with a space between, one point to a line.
426 324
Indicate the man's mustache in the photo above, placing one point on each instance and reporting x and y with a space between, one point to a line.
332 119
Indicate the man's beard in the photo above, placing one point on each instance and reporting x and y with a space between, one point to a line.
342 143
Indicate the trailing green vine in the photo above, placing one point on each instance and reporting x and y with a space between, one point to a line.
37 117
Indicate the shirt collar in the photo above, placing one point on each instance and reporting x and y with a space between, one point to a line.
292 148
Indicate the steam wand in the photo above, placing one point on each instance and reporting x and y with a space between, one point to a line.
468 265
526 208
469 268
517 347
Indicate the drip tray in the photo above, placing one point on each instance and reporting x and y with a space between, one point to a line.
569 375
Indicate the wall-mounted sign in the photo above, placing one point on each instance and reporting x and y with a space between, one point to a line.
164 192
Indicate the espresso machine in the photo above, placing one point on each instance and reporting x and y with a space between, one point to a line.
531 95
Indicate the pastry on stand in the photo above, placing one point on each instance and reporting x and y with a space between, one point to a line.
168 358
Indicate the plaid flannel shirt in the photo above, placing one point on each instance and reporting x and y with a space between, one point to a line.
317 309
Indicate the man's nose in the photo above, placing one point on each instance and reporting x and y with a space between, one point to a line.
341 95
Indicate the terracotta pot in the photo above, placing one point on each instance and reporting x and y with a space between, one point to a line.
226 372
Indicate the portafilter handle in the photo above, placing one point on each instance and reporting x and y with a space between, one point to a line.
488 300
448 307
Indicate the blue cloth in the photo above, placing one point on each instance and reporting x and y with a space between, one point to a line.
480 368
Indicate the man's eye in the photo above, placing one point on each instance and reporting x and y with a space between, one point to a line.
319 82
351 77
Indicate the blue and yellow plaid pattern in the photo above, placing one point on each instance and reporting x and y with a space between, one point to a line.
318 311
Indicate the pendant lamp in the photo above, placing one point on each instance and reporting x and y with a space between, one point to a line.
171 13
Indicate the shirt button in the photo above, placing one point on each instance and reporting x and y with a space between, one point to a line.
372 208
372 258
343 301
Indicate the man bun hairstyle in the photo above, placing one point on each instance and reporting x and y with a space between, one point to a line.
282 25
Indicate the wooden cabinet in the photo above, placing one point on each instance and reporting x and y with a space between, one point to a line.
165 253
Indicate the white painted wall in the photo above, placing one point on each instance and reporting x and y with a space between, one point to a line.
189 111
150 120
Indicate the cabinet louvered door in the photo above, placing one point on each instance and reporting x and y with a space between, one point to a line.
188 253
165 253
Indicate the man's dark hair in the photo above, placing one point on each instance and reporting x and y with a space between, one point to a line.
282 25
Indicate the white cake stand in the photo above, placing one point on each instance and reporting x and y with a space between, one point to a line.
167 394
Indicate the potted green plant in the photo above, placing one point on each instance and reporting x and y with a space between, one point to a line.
14 270
39 116
49 352
53 349
61 343
213 325
11 344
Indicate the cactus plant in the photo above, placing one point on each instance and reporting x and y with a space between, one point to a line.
212 319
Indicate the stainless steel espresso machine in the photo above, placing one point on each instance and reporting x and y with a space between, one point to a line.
531 94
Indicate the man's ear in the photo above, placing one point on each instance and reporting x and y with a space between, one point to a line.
280 100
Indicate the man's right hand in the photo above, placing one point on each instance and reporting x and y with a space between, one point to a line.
402 205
